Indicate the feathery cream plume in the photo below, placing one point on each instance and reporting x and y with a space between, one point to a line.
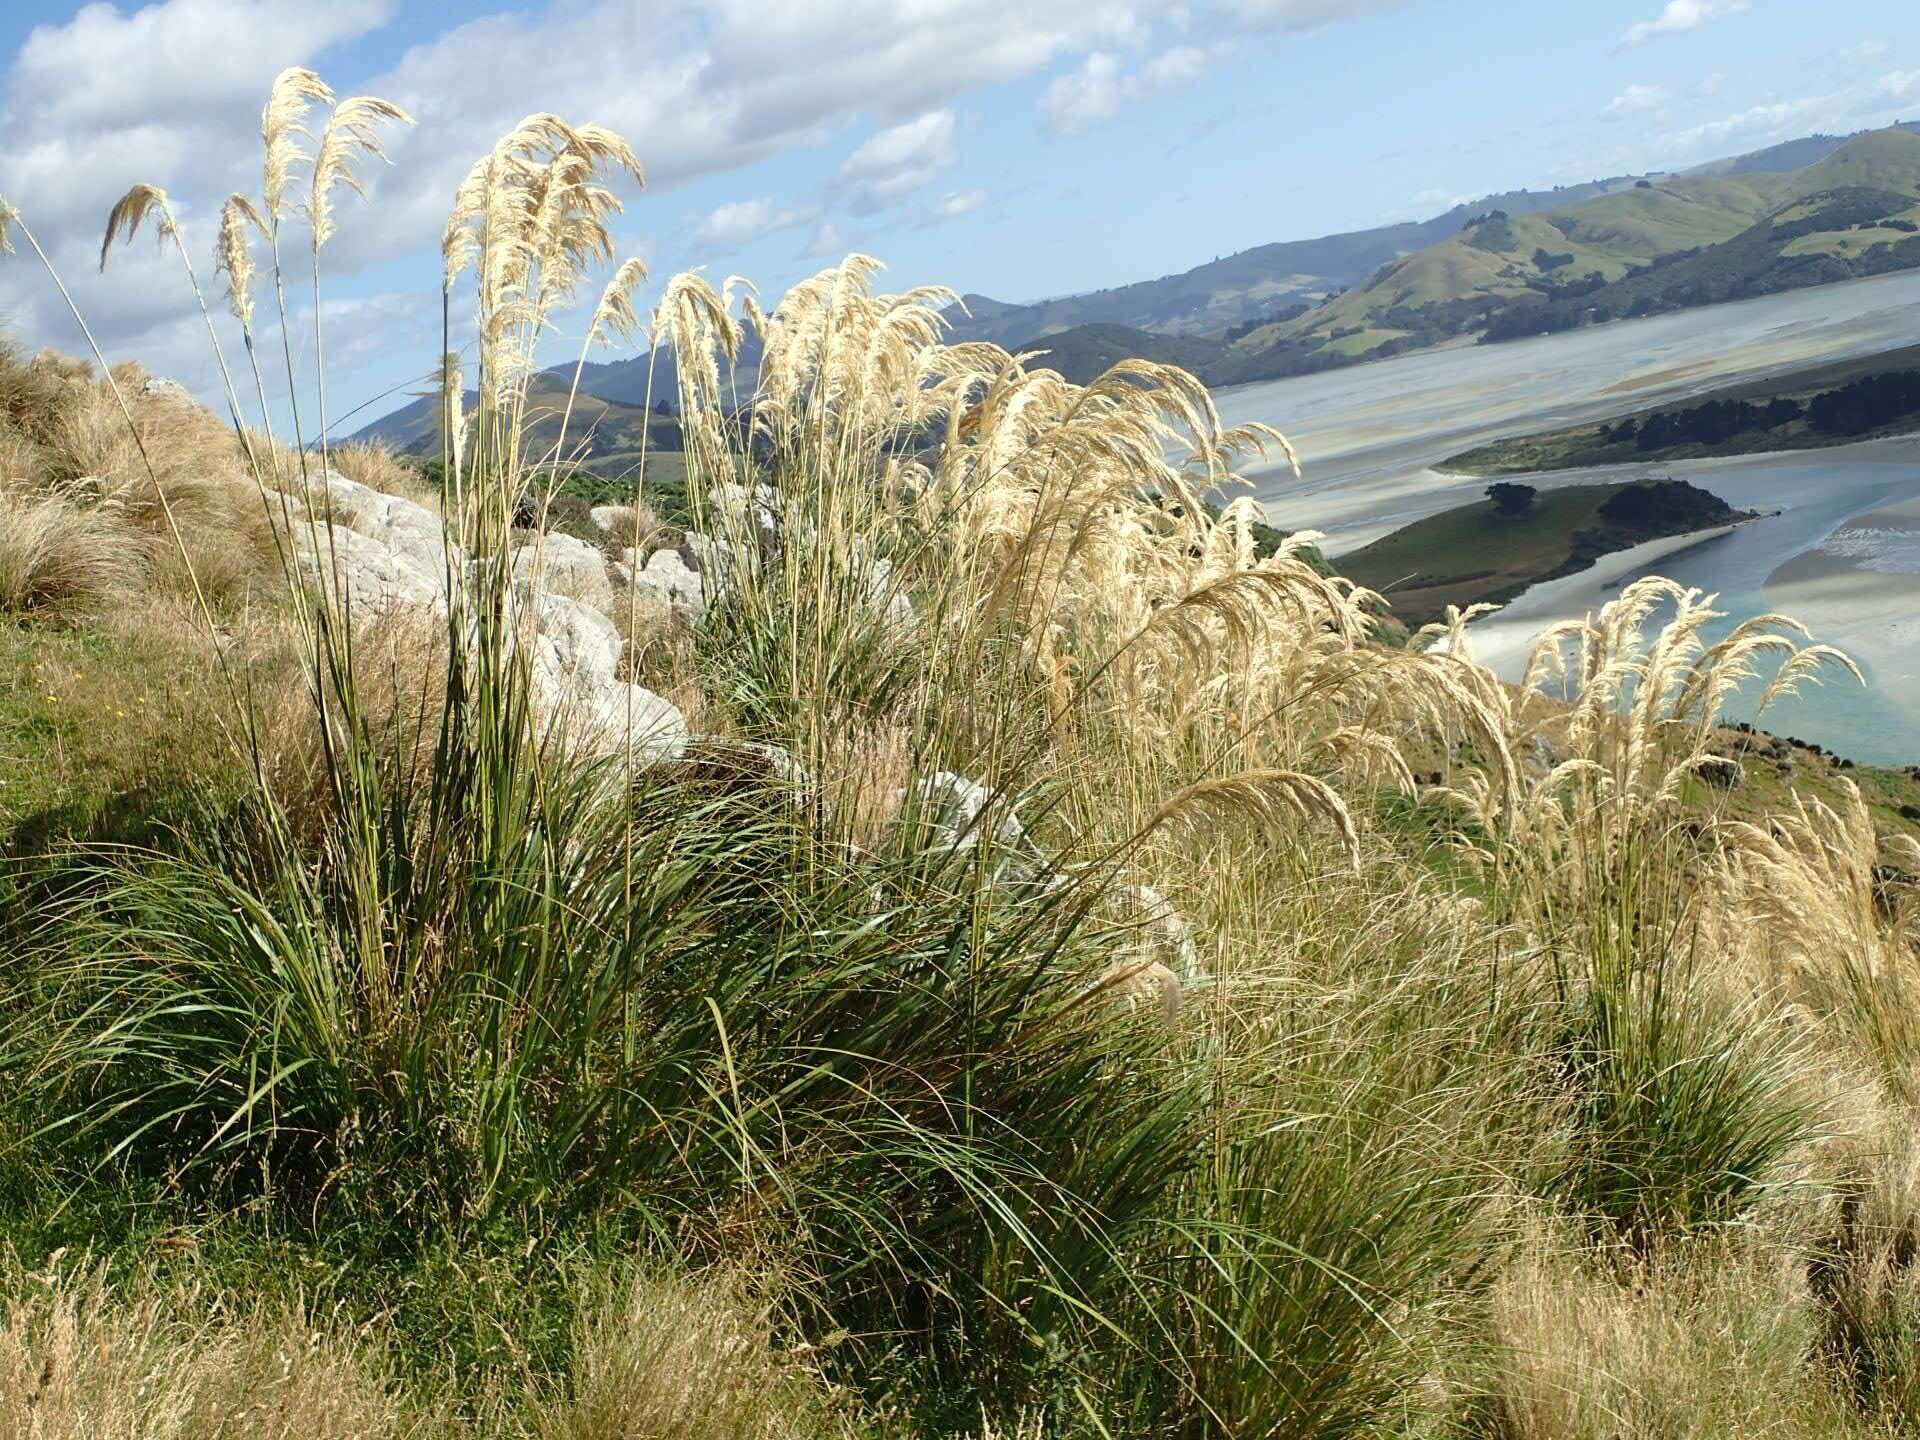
282 128
130 210
353 130
233 254
614 316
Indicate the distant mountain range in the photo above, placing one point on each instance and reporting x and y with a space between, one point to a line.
597 430
1727 231
1808 211
1222 296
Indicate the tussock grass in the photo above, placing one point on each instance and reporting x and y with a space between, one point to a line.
378 467
56 556
1719 1341
663 1359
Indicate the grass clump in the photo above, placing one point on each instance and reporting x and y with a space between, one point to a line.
56 557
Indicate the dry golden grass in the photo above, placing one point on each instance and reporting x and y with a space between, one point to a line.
401 691
637 527
1717 1342
379 467
20 455
33 393
649 638
662 1359
685 1360
866 776
56 556
177 478
80 1363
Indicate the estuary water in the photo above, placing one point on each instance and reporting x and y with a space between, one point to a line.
1839 544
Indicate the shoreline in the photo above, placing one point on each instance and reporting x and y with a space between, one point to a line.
1461 472
1503 640
1870 611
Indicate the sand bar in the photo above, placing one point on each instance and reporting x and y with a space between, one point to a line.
1859 589
1503 640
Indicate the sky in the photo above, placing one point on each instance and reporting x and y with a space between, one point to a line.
1017 151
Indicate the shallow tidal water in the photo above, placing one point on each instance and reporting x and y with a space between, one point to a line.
1369 436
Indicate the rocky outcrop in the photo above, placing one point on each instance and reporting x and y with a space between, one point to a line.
565 566
666 574
385 553
381 551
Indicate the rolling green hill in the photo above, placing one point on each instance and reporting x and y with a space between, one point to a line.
1815 240
1658 245
1654 245
1616 222
1249 286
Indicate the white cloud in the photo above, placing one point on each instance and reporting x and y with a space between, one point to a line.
827 243
954 204
169 91
1635 99
1092 93
739 221
1757 122
1179 66
1900 84
169 94
894 162
172 61
1102 85
1680 16
1302 14
1864 51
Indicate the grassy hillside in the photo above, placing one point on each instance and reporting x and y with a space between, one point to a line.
1246 286
585 426
969 944
1657 245
1653 245
1820 239
1645 217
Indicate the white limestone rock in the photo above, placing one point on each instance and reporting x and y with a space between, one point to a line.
563 565
371 577
950 812
611 519
1163 930
685 588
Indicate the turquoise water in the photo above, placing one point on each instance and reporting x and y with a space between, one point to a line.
1864 723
